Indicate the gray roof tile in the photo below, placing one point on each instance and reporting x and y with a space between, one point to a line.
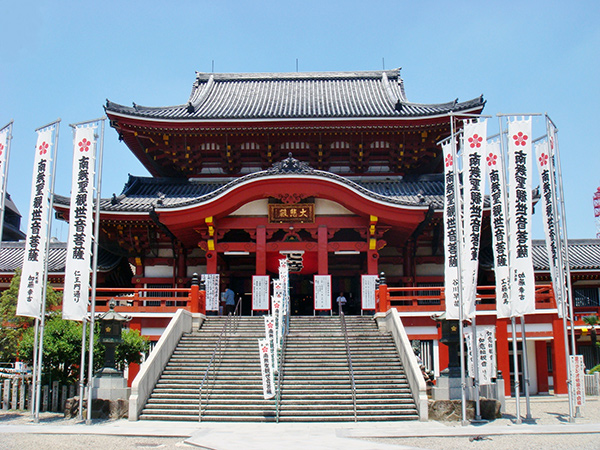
372 94
584 254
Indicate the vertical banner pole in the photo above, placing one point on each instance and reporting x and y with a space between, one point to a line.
36 418
4 171
516 374
525 368
463 385
560 226
94 272
476 369
34 369
82 371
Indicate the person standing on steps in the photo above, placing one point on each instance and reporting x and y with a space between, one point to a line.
229 297
341 301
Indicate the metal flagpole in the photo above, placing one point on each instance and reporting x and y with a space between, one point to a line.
512 319
94 272
516 370
82 371
34 369
5 177
36 417
563 255
459 265
475 366
525 368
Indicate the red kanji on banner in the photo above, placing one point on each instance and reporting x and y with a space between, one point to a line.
43 148
448 160
84 145
520 139
475 141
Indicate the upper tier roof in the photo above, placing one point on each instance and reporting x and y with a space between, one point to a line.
310 95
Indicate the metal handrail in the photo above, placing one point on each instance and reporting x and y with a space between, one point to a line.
350 368
230 324
280 366
281 358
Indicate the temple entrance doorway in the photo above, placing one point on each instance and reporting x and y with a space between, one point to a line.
301 294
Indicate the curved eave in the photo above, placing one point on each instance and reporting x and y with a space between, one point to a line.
402 216
285 123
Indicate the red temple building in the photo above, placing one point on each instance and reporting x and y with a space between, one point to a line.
339 173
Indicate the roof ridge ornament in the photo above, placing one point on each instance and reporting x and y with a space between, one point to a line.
290 165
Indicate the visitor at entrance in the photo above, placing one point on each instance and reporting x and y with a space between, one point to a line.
341 301
229 299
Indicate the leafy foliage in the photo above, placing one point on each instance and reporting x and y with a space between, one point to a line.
12 326
62 339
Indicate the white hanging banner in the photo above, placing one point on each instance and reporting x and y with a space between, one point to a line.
544 155
79 243
32 276
497 177
270 337
368 283
486 348
451 282
4 136
474 147
260 292
284 278
519 216
322 292
266 365
211 286
276 306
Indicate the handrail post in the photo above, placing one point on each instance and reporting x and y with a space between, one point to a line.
384 296
195 295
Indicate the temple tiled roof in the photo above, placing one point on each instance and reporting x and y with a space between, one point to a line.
142 194
369 94
12 253
584 254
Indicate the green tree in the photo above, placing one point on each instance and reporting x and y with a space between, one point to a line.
12 326
62 338
62 349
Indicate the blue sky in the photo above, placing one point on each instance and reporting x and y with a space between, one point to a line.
64 59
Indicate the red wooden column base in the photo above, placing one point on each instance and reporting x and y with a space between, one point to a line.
559 355
541 362
502 352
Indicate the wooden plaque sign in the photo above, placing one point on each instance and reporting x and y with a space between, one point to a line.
300 212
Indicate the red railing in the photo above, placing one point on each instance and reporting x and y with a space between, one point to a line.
150 300
432 298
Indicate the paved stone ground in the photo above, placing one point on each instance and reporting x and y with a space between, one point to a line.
17 432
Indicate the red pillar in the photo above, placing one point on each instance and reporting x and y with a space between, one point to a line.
502 353
261 250
541 362
442 350
372 266
322 255
134 368
559 355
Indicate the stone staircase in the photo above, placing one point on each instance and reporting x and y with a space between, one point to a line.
316 379
236 392
316 383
